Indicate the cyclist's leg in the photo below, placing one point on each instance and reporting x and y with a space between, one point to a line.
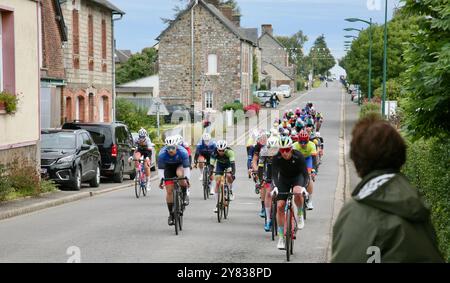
262 190
147 163
137 156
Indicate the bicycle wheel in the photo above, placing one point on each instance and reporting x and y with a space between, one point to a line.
175 210
180 212
273 213
226 201
288 232
144 186
205 184
220 203
137 184
293 233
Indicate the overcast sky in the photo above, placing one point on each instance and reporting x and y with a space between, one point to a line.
142 22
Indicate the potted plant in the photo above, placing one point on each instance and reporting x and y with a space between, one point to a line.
8 102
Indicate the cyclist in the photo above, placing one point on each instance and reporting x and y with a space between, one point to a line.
223 159
258 167
185 145
308 149
266 157
319 121
173 161
299 125
203 153
144 148
288 171
250 148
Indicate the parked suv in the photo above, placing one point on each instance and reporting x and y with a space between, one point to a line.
115 143
264 97
70 157
182 113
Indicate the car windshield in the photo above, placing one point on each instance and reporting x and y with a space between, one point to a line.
58 141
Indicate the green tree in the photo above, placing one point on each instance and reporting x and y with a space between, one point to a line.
134 117
294 45
255 70
320 59
139 65
356 61
427 76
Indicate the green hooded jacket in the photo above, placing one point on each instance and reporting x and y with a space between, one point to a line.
385 221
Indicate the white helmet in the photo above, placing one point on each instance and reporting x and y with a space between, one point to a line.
285 132
273 142
142 133
171 141
293 133
222 145
206 137
318 134
179 139
285 142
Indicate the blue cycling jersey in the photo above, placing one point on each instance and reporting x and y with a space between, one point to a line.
205 150
181 158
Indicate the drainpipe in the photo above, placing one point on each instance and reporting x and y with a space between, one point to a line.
113 47
193 56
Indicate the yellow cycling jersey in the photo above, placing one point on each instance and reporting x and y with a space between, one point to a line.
308 150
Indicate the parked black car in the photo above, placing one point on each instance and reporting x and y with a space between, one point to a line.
115 144
70 157
181 112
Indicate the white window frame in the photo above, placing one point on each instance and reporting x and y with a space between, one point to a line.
77 108
101 112
211 69
209 100
1 53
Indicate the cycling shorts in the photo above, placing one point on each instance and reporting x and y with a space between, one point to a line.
221 168
145 152
286 184
309 163
171 172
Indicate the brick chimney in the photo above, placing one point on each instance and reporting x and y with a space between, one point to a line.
227 11
267 29
213 2
237 19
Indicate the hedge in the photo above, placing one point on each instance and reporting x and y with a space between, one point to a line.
369 108
233 106
428 168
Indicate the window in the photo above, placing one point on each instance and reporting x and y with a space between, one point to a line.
79 140
209 100
101 114
1 55
86 139
212 64
91 107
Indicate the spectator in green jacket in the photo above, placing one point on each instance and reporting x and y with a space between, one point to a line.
386 220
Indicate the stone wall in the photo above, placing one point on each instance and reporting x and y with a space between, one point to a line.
273 53
21 154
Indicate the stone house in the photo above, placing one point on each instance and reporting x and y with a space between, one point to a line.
276 67
89 62
19 74
206 58
53 36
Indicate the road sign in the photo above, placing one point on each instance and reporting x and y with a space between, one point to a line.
158 108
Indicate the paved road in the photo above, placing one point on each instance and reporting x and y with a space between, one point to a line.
117 227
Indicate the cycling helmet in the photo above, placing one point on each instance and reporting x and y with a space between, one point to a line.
179 139
262 138
294 133
273 142
171 141
206 137
142 133
285 142
222 145
317 134
289 126
303 136
285 132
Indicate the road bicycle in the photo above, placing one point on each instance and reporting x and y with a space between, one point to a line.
223 200
206 181
140 181
178 202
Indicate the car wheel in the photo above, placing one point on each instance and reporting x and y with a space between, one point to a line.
95 182
77 179
118 177
267 104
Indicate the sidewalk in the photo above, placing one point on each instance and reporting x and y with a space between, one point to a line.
18 207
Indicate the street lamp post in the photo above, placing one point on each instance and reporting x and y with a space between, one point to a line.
370 48
384 61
